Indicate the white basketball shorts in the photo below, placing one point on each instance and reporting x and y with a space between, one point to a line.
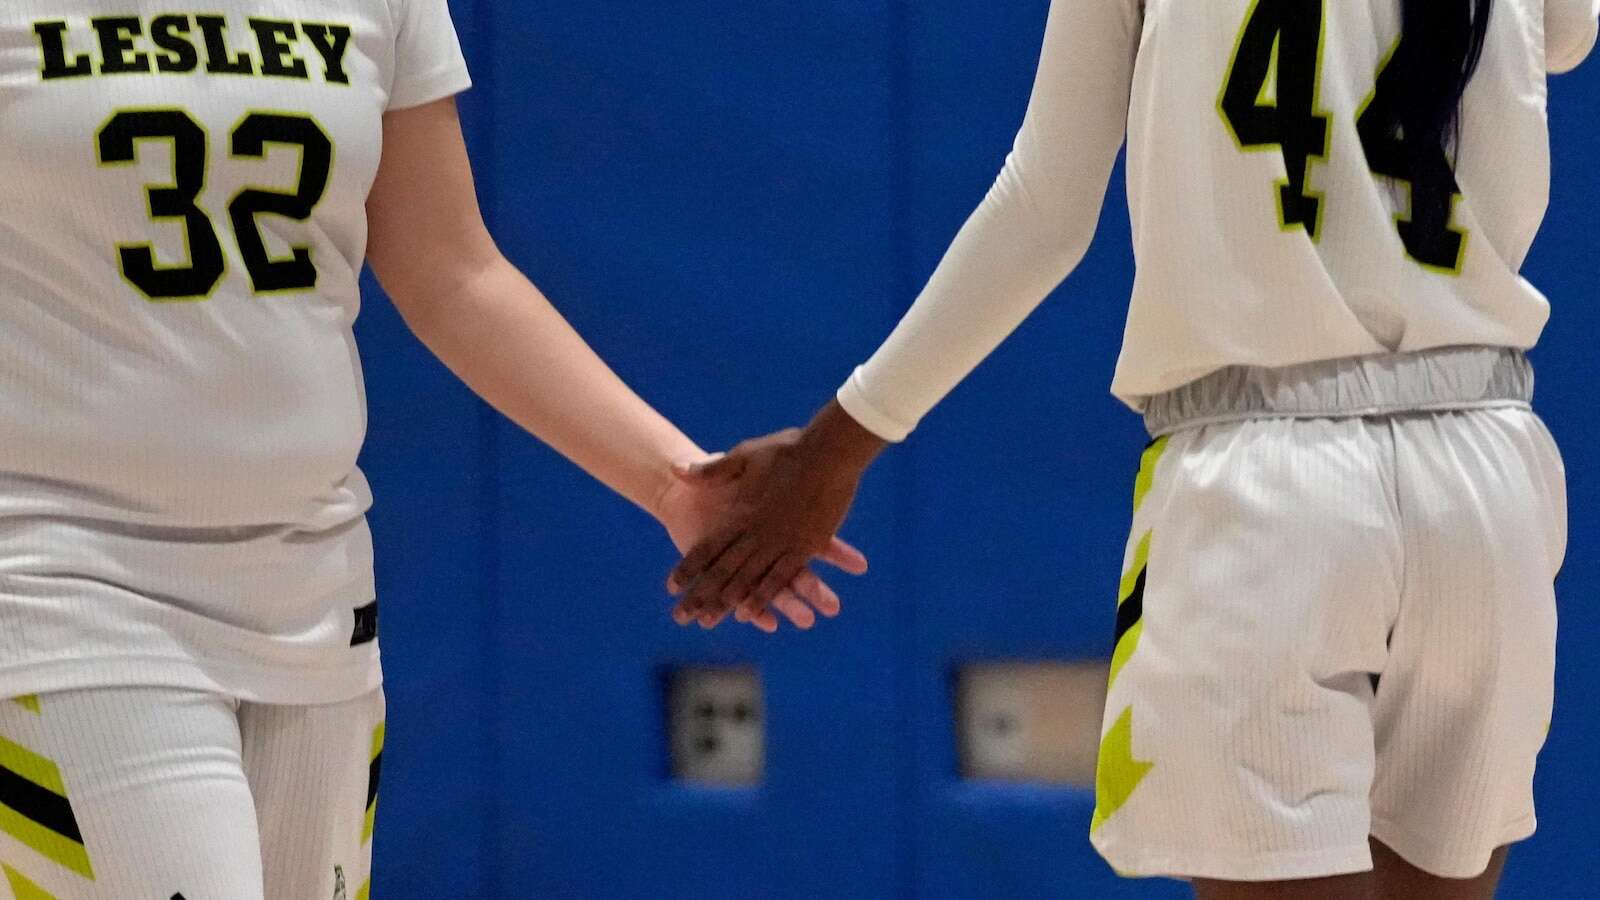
1337 619
161 794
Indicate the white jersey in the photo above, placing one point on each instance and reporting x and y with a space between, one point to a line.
1268 226
182 225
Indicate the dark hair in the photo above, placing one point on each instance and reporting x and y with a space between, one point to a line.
1440 48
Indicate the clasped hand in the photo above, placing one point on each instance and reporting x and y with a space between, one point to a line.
790 493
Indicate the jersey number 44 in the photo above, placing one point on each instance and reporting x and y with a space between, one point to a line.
1284 38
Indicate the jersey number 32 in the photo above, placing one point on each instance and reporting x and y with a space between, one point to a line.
1284 38
118 145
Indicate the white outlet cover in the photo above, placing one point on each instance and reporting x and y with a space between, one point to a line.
1030 722
716 721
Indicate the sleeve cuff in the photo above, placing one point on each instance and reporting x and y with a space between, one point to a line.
442 83
1572 57
853 397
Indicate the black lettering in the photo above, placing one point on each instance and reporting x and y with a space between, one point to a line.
331 42
215 29
171 34
276 40
297 272
53 52
116 45
119 144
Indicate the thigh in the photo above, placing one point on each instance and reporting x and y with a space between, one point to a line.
1261 575
1391 878
1362 886
314 773
1464 704
119 793
1396 879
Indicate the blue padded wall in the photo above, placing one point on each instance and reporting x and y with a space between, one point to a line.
734 202
709 207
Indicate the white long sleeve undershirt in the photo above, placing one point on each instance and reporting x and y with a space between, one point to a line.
1221 281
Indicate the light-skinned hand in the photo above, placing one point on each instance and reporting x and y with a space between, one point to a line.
793 490
691 506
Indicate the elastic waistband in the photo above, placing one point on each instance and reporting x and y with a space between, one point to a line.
1386 384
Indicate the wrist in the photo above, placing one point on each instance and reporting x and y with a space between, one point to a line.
836 438
663 477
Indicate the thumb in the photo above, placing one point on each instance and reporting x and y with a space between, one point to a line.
716 467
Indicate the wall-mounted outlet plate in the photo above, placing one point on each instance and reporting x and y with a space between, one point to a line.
716 723
1030 722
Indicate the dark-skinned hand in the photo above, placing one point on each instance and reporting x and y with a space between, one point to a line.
691 506
794 489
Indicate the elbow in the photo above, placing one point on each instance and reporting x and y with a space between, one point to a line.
1059 222
1077 236
1062 237
425 289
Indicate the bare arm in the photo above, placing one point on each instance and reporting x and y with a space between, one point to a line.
493 328
1026 236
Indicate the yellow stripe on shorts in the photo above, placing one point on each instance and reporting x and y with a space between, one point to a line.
1147 470
29 703
1118 773
34 808
1130 610
372 782
22 888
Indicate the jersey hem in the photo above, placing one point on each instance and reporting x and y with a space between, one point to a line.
255 684
1292 865
1437 858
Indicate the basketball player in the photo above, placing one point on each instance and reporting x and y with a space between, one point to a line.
1335 635
188 625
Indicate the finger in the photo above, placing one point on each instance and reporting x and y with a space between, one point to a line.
845 557
816 592
795 610
775 579
750 573
711 620
682 615
700 556
775 582
766 621
706 592
707 596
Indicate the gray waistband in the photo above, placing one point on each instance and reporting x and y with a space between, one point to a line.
1446 378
